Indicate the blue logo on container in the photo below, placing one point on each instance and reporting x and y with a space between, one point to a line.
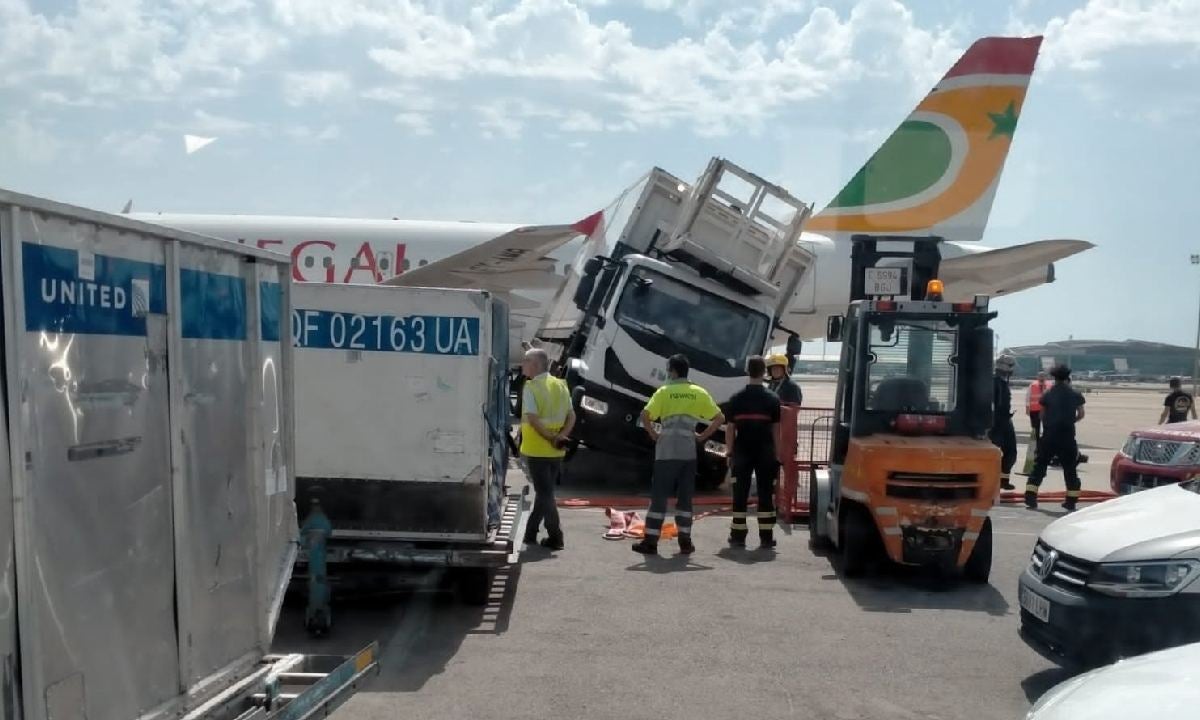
112 297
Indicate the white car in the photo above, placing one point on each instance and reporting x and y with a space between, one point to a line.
1163 685
1116 579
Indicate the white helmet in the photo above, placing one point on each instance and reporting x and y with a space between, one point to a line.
1006 363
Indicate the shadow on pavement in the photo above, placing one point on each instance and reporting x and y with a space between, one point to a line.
660 565
1039 683
892 588
747 555
419 632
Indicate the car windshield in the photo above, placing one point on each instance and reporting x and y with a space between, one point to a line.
912 366
668 316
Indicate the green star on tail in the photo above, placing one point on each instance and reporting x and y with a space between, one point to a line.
1004 123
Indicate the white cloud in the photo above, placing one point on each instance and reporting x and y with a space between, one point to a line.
300 88
29 141
306 134
139 148
1083 37
417 122
206 122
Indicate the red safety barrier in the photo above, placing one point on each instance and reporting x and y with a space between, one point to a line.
805 434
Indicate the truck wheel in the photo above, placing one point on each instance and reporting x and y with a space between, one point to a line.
857 542
318 624
710 476
979 564
816 539
474 586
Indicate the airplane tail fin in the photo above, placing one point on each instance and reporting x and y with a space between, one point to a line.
128 207
937 173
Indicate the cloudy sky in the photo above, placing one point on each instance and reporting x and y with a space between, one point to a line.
542 110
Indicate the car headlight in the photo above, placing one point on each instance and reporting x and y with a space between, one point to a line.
714 447
593 405
1130 446
1159 578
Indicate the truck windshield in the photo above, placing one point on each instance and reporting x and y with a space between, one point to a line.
666 316
912 366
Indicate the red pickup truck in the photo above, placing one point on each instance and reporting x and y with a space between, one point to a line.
1157 455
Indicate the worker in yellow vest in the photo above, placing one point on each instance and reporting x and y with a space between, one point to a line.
546 421
679 407
1033 403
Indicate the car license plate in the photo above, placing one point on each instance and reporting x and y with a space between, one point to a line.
1035 604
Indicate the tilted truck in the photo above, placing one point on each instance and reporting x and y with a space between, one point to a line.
147 524
402 417
707 271
912 474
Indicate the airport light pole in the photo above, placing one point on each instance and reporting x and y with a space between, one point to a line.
1196 356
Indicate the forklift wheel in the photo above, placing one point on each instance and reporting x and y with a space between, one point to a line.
474 586
857 542
816 539
979 564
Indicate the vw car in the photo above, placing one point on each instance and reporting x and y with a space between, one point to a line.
1116 579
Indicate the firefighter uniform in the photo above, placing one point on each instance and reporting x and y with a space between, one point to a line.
754 412
1059 406
1003 435
679 406
783 386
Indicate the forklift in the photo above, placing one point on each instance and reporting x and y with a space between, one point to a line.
912 475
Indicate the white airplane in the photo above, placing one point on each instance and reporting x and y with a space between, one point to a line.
935 175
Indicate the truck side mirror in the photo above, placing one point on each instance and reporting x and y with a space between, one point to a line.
833 328
794 346
587 283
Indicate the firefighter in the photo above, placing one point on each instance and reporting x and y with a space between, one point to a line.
1033 403
753 423
1003 435
1062 408
781 382
679 406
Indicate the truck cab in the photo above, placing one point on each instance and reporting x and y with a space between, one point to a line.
912 474
705 271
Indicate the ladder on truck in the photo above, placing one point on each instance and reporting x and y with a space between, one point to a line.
743 229
291 687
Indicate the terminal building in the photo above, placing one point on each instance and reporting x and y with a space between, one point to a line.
1128 359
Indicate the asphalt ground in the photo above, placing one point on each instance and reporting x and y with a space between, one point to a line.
596 631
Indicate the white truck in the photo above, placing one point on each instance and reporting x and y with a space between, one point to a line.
147 524
707 271
402 422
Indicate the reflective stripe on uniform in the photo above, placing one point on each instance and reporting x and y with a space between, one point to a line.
1074 493
1031 488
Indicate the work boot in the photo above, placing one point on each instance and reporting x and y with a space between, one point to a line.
1031 500
685 545
646 546
531 538
554 541
766 543
1069 506
737 540
1006 484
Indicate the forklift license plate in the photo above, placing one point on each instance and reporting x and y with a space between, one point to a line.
884 281
1035 604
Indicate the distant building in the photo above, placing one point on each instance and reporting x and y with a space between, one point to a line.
1107 358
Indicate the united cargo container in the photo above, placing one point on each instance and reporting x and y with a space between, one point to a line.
147 525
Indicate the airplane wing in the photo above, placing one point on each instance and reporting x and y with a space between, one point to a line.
514 260
1006 270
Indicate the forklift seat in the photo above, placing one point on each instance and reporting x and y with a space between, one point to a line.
902 394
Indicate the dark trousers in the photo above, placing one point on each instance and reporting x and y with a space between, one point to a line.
1004 436
671 477
543 475
1064 448
1035 422
765 469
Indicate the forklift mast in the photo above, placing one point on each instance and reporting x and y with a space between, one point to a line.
866 251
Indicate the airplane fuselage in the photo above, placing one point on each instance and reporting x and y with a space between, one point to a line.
342 250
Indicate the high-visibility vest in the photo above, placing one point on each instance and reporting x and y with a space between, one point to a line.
553 401
1035 396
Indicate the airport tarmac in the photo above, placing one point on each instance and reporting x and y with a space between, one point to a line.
596 631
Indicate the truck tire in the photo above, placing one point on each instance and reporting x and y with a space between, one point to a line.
816 539
858 540
319 624
474 586
710 475
979 564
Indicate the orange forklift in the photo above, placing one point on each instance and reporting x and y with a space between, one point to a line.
912 475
